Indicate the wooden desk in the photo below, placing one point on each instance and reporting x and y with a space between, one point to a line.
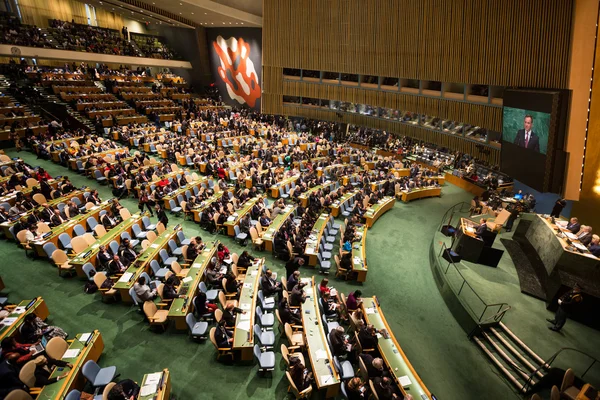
326 377
234 221
304 196
269 236
336 206
91 252
182 190
373 213
88 350
281 184
312 245
359 255
415 194
142 264
200 209
68 226
180 307
52 203
163 390
11 197
102 154
37 306
243 334
392 353
464 184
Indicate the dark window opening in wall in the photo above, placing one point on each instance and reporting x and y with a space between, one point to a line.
497 95
331 77
291 73
309 75
431 88
390 84
291 99
478 93
308 101
369 81
409 85
350 79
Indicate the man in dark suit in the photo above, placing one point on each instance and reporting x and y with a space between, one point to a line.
482 228
105 255
108 220
128 255
526 137
9 375
57 218
574 225
374 366
270 286
585 235
115 266
594 246
384 389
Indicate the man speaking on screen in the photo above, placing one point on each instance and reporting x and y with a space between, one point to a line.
526 137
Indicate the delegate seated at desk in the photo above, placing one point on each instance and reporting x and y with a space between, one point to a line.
223 336
594 246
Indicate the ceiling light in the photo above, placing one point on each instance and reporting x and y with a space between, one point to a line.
192 13
242 23
205 14
223 23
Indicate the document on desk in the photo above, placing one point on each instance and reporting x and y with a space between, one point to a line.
71 353
147 390
153 379
9 321
187 279
196 265
244 325
245 306
244 317
404 381
126 277
19 310
370 310
85 337
247 285
326 379
321 354
154 246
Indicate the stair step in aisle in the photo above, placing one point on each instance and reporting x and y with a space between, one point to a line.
517 362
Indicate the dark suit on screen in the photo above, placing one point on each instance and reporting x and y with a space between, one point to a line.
534 140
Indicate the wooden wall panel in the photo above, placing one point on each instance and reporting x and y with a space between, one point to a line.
39 12
494 42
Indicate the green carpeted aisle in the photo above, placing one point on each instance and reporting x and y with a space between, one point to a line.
399 274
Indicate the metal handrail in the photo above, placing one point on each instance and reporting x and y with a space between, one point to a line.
452 210
500 311
552 358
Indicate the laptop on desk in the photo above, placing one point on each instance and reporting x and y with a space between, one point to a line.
40 347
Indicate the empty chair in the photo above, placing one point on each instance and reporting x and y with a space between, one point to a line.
147 224
266 360
154 315
324 266
294 337
174 208
74 394
91 223
265 320
100 231
99 177
264 338
175 250
329 325
126 235
267 304
197 328
65 241
138 232
98 377
166 260
114 246
211 295
240 237
79 230
159 273
80 244
49 249
326 246
18 394
344 368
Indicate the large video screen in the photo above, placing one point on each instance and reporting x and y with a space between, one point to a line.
532 136
526 128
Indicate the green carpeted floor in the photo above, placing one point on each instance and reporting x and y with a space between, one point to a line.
399 274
